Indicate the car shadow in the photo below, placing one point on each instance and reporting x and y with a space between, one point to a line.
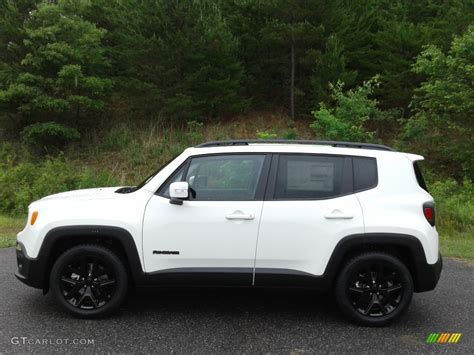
228 301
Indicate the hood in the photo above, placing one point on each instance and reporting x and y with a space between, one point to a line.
86 194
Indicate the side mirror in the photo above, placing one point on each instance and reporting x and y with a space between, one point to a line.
178 191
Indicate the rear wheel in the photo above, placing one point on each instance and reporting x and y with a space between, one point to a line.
89 281
374 288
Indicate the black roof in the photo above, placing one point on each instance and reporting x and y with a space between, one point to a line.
234 142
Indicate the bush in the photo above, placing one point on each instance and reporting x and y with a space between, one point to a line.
48 137
23 183
117 138
347 117
265 135
454 205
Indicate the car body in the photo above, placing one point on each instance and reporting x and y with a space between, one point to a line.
249 213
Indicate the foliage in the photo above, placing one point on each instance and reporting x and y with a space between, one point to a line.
59 76
48 136
9 227
24 182
93 65
265 135
174 60
330 67
455 216
454 204
444 106
347 117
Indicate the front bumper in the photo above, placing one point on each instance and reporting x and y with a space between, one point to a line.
30 270
428 276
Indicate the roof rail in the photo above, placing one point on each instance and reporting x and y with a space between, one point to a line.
235 142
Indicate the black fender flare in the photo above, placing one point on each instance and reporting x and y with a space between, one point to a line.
425 276
39 266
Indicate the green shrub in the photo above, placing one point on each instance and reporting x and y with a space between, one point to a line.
265 135
454 205
290 133
49 137
346 118
117 138
23 183
194 132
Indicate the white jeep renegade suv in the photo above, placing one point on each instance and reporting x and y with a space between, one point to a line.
348 217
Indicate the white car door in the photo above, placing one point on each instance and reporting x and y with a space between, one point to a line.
211 238
308 208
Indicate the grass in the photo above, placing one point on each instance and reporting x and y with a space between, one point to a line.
459 246
9 227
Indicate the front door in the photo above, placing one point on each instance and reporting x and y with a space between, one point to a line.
211 238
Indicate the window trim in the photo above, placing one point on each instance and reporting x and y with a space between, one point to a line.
261 183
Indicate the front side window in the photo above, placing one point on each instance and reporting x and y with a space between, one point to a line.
305 177
224 177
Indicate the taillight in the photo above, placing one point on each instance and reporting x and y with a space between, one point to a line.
429 212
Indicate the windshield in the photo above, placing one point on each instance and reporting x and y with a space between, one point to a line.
129 189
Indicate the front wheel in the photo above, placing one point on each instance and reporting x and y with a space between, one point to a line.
89 281
374 288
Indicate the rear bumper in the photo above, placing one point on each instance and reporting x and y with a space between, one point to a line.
30 271
428 276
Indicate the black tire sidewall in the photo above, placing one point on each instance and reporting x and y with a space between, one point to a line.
103 254
342 297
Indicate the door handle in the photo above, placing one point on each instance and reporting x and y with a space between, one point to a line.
240 216
338 215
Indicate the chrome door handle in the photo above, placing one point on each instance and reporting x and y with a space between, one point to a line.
338 216
240 216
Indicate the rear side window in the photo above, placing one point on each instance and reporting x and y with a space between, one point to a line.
365 173
301 177
419 176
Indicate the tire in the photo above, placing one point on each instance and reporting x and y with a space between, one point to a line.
374 289
89 281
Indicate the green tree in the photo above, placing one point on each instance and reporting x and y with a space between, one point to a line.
444 106
291 28
387 35
60 77
330 66
349 114
172 60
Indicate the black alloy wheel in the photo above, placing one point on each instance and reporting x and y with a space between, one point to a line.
374 288
89 281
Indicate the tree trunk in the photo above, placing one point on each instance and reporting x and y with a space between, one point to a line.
292 79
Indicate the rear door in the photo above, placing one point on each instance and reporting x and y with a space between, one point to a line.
309 207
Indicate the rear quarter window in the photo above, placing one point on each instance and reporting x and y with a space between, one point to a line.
365 173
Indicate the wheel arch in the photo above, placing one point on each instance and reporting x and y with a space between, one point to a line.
117 239
406 247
